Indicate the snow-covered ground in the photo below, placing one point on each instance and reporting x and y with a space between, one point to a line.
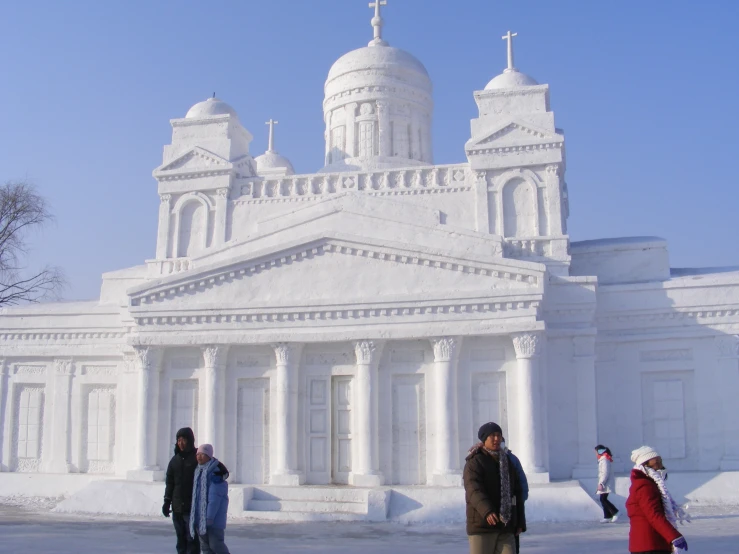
27 526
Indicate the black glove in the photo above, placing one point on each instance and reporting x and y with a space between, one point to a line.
165 508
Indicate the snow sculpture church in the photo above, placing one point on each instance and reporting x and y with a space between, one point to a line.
356 325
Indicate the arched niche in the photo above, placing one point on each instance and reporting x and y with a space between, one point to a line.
192 222
519 207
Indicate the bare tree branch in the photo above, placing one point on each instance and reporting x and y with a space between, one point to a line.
22 210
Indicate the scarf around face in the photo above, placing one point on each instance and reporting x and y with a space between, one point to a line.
505 478
673 511
200 496
605 455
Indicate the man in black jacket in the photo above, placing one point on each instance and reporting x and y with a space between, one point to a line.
495 510
178 491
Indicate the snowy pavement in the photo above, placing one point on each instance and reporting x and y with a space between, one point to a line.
31 528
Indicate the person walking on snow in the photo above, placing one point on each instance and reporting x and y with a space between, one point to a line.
652 511
606 483
521 478
209 502
178 490
493 495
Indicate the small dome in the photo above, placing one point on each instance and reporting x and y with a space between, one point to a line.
376 58
511 78
272 163
209 108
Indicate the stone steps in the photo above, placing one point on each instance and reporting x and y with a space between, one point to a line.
306 504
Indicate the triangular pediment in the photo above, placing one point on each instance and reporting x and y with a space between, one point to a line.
195 160
513 133
333 271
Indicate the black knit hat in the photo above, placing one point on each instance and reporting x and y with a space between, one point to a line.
488 429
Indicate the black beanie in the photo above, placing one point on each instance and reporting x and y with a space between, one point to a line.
488 429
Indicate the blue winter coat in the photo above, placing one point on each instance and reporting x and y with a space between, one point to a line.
217 506
521 475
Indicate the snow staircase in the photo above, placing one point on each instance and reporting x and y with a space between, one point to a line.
306 503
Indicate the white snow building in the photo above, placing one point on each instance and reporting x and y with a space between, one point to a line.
356 325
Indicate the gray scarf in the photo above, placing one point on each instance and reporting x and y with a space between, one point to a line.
200 496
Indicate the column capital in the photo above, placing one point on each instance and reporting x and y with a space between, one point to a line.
286 352
728 346
366 351
63 367
527 345
214 355
445 348
223 193
147 358
165 199
3 366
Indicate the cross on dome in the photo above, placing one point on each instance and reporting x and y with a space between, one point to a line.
271 142
509 37
377 23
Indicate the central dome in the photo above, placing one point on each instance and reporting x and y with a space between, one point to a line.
210 108
376 58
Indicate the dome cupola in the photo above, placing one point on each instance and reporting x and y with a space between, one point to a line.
210 108
377 107
511 77
272 164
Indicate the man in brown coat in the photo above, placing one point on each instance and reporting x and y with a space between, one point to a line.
495 509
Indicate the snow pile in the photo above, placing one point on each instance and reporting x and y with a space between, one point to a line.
115 497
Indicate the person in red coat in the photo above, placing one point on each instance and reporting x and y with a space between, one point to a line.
653 512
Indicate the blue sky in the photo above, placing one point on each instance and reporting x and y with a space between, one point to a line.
645 91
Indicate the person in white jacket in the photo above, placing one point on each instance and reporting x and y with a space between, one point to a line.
606 483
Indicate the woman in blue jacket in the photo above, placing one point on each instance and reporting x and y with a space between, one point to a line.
209 502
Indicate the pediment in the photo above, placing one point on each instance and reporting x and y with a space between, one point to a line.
513 133
337 272
195 160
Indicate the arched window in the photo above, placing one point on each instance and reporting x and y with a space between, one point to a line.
519 209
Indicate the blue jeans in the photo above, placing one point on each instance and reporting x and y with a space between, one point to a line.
212 542
185 543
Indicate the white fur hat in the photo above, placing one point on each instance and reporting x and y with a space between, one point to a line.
643 454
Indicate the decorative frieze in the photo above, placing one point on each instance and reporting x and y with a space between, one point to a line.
22 369
527 345
671 355
57 338
100 370
328 358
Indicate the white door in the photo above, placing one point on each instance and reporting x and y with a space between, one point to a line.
409 420
341 429
318 430
253 431
29 427
185 406
100 431
488 401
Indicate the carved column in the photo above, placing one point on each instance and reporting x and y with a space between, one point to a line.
165 209
365 467
552 202
219 234
482 199
529 447
583 362
147 360
214 365
446 350
5 441
284 468
58 461
351 129
383 127
728 376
